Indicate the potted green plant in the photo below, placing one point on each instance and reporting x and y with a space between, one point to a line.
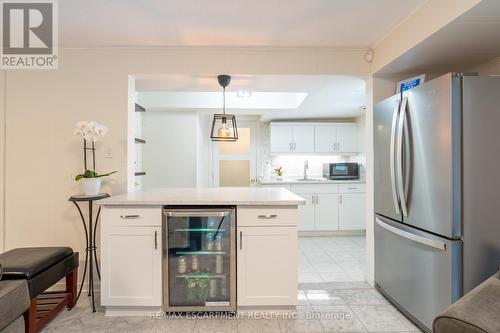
90 131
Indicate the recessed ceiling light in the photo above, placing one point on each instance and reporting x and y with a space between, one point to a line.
244 93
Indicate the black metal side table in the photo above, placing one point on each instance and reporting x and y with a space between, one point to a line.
90 249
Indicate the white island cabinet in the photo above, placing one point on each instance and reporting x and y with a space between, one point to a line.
132 250
131 256
267 256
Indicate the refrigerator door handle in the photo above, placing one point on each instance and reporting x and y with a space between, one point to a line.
399 157
392 157
416 238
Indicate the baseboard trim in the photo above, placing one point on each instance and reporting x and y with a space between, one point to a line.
144 311
332 233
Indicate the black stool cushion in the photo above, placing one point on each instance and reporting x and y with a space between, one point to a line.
41 266
25 263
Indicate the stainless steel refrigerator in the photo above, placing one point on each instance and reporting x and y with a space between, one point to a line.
437 182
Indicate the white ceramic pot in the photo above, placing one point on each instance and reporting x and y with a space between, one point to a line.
91 186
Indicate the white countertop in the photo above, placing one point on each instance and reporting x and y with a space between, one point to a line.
296 181
240 196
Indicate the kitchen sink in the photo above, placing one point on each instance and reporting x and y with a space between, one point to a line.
311 179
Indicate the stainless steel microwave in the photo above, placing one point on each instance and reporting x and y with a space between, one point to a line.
341 171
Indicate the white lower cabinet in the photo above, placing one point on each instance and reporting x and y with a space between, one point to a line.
332 207
267 273
352 213
131 261
307 213
327 212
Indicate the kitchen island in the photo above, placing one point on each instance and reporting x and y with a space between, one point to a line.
262 246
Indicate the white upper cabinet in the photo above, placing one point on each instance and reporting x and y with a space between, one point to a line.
303 139
326 138
347 138
314 138
281 138
292 138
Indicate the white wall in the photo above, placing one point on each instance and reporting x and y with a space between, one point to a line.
491 67
42 155
419 25
169 156
376 90
2 158
203 156
361 121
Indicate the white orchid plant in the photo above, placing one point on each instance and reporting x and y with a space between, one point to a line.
90 131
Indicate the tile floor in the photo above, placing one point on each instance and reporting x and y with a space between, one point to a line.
332 259
333 297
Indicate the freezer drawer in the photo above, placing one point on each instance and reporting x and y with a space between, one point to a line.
419 271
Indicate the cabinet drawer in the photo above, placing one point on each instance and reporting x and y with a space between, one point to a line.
267 216
352 188
314 189
131 216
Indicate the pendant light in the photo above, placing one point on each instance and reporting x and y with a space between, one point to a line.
224 125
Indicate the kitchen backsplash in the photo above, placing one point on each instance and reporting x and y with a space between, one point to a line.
293 165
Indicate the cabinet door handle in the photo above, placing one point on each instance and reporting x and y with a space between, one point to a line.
241 240
340 197
129 217
268 216
156 239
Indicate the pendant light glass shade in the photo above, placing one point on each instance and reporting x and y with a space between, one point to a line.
224 125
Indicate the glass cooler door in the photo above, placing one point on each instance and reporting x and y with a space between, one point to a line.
200 261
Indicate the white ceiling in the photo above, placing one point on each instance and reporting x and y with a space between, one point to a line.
273 96
470 39
268 23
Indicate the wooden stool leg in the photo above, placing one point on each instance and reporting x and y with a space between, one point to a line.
30 324
71 286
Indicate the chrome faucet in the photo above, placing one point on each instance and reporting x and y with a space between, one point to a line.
306 166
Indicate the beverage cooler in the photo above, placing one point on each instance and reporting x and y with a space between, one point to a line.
199 259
